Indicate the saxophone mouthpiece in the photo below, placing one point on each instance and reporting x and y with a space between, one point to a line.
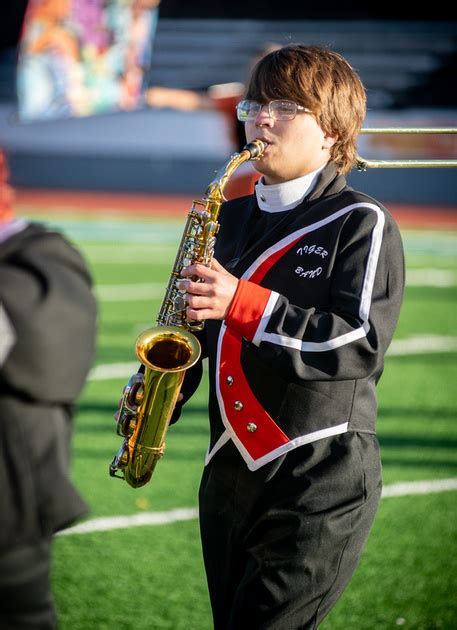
255 148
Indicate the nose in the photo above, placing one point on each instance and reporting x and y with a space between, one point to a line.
263 117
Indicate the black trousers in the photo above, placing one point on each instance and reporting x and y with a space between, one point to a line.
26 601
280 544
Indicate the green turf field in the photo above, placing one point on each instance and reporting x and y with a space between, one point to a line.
151 577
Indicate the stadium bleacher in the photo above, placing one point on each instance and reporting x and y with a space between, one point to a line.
405 65
392 57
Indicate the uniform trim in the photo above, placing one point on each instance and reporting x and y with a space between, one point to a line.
372 263
241 412
313 346
7 335
256 268
225 437
265 318
255 451
295 443
367 289
248 308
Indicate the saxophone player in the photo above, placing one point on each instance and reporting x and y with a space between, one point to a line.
301 303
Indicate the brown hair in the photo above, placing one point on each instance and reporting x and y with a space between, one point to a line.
324 82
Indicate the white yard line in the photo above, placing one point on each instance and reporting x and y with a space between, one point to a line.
112 371
422 344
400 347
440 278
135 520
189 514
128 292
418 487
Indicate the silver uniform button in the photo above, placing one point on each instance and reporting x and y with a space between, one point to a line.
251 427
229 380
238 405
263 198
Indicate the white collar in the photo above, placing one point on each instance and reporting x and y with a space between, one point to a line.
287 195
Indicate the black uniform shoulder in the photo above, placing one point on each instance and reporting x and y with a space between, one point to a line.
240 206
37 243
363 205
46 294
352 196
235 216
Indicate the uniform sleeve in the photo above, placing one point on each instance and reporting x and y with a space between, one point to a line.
348 338
49 309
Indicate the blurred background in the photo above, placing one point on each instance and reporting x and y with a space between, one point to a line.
111 141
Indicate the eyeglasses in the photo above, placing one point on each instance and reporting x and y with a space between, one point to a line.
278 110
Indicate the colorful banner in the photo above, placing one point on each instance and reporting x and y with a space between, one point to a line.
83 57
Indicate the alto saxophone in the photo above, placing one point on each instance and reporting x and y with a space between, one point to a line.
167 350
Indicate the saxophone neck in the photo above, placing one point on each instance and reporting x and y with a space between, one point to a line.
251 151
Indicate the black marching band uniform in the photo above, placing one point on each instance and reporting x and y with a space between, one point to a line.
293 475
47 340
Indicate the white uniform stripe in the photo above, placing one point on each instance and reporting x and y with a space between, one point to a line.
297 234
295 443
367 289
313 346
372 264
265 317
7 335
225 437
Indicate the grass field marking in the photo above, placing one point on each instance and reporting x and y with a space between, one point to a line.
118 232
402 489
431 243
144 254
422 344
112 371
188 514
135 520
400 347
128 292
441 278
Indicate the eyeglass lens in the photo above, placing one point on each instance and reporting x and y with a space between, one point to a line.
279 110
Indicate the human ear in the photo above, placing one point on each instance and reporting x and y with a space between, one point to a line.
329 140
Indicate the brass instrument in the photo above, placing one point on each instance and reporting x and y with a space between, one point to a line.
167 350
363 164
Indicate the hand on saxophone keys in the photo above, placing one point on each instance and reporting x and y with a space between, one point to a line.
210 298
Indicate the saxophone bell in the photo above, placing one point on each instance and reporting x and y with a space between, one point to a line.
149 398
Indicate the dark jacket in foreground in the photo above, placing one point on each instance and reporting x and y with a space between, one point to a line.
47 338
301 351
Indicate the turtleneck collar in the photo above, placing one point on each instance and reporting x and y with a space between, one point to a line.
287 195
